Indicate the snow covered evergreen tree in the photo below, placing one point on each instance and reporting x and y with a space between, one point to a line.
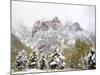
57 60
33 60
21 60
90 61
43 62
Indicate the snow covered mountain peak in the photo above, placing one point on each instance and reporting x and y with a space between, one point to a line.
56 19
48 33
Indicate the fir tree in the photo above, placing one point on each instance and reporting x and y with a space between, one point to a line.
33 60
57 60
90 61
21 60
43 62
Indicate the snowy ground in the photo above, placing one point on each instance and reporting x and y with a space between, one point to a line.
30 71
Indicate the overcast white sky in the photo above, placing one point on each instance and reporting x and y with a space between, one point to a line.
29 12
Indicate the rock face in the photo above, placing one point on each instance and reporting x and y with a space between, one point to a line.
46 33
53 24
76 27
56 23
